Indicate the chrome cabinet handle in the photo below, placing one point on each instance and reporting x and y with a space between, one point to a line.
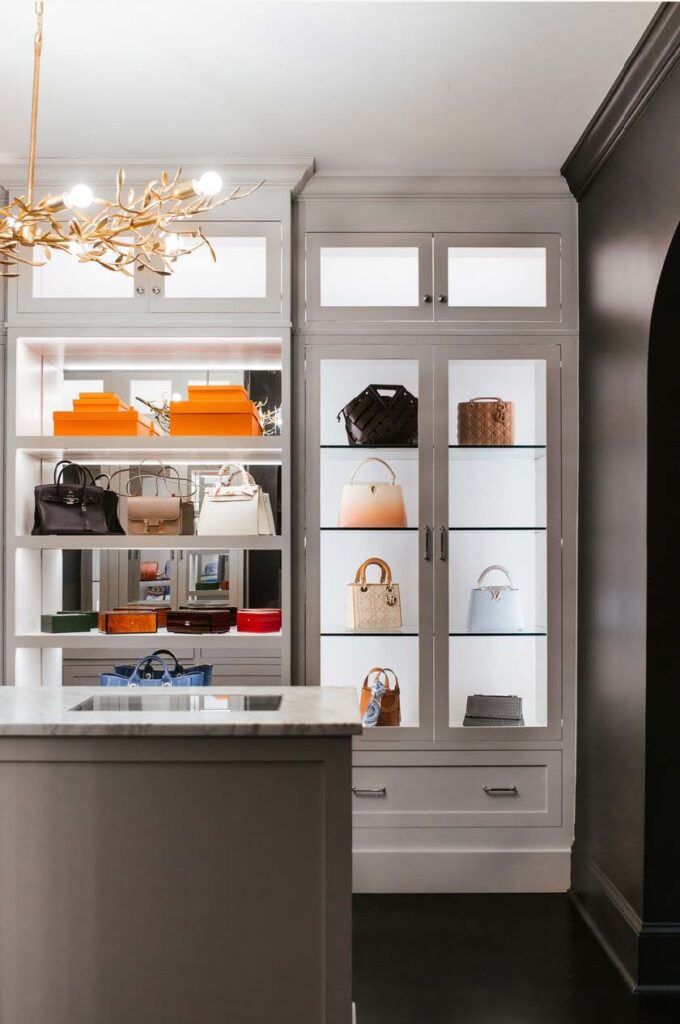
427 298
380 791
156 290
139 290
501 790
427 550
441 298
443 543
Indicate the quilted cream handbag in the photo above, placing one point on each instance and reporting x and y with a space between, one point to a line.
235 506
495 608
373 605
373 503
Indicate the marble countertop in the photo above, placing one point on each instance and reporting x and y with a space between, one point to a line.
304 711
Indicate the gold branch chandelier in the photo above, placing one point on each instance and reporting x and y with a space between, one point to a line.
147 228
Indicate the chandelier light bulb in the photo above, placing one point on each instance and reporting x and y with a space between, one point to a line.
209 184
80 197
172 243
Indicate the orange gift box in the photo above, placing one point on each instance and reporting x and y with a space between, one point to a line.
222 418
102 413
217 393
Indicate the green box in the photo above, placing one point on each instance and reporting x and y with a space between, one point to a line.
69 622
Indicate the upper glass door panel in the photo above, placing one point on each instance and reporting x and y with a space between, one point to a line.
366 501
500 553
244 277
482 277
63 284
369 277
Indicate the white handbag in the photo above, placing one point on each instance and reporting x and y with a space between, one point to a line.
373 605
235 506
495 608
374 503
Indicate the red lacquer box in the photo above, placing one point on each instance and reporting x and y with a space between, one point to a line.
258 620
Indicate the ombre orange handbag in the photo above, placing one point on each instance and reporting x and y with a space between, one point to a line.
372 503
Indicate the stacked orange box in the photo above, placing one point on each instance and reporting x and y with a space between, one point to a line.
104 414
215 410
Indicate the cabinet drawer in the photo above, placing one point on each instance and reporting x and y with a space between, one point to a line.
459 795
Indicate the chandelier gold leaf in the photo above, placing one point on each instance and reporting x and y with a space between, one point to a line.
147 228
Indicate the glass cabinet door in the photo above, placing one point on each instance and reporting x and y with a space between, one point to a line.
63 284
510 277
368 505
244 277
368 276
497 487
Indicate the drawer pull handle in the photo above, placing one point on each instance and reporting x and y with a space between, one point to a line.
501 790
379 791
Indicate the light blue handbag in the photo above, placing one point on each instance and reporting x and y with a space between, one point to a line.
165 678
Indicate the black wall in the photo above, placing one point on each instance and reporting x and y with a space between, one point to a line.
627 852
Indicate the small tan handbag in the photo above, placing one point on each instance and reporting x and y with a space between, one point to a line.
373 605
154 516
486 421
390 702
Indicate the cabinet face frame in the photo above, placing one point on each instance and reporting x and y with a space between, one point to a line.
316 241
315 355
548 314
477 352
271 302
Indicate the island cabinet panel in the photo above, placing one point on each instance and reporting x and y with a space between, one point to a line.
151 879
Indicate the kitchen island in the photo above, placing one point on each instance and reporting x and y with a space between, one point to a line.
176 857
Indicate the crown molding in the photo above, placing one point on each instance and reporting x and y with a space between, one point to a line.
530 185
644 71
54 172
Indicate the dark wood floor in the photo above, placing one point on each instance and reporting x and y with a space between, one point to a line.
488 960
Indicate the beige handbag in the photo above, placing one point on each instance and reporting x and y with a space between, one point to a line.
167 515
372 504
373 605
486 422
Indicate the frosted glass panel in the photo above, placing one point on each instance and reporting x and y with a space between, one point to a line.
369 276
487 276
63 277
239 273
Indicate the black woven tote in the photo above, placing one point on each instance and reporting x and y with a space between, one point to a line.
483 709
382 416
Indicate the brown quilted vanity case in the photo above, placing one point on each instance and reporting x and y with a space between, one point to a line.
202 621
128 622
486 421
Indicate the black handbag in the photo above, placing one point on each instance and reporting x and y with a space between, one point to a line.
487 709
382 420
77 508
148 671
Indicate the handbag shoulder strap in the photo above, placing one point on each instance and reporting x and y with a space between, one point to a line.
395 688
372 458
229 470
494 568
385 572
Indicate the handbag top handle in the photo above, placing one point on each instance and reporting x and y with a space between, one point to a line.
149 659
385 572
234 469
380 672
495 568
499 400
383 672
372 458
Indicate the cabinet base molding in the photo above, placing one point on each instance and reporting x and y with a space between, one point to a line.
394 871
646 953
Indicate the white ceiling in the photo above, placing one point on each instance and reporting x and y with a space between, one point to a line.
361 86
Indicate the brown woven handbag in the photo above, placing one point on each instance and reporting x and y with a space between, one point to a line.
390 703
486 421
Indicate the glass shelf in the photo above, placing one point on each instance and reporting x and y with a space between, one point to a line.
344 631
358 449
480 453
371 529
530 631
498 529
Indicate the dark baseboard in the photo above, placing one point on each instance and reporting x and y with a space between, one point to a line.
650 62
646 954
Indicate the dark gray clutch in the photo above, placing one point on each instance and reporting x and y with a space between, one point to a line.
482 709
